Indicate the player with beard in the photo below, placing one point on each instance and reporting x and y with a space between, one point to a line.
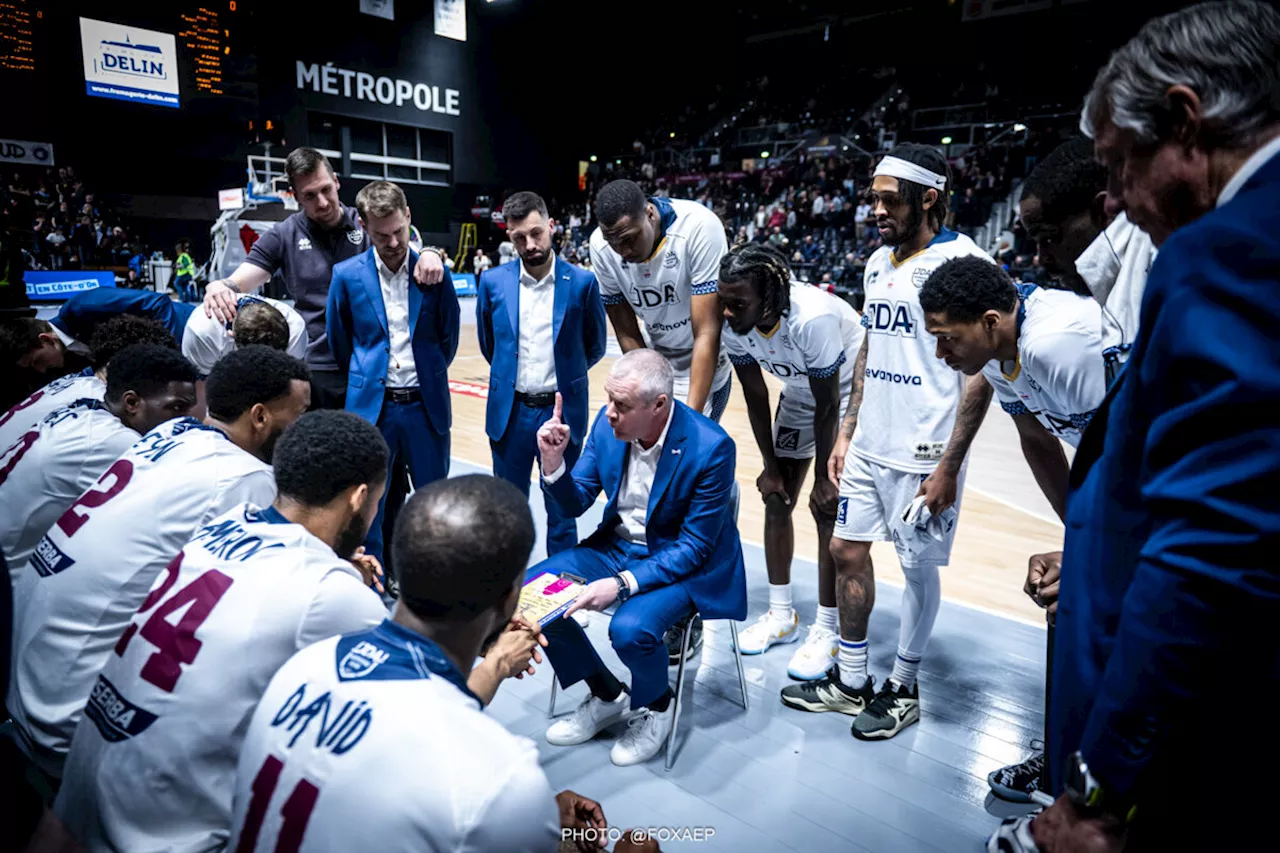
461 781
908 427
95 566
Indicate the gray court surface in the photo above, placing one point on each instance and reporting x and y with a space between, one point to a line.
774 779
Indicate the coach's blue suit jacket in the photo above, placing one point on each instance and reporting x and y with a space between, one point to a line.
83 312
691 533
356 322
1170 598
578 337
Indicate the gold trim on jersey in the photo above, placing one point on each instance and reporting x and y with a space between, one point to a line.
656 249
893 257
1017 368
771 332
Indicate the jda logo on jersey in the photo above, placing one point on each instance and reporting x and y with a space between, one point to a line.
363 659
889 317
655 297
782 370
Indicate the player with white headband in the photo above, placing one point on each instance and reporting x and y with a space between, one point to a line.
908 426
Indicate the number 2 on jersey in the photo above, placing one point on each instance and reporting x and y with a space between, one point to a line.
175 644
296 810
118 475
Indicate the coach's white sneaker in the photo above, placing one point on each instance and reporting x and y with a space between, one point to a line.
767 630
592 717
646 734
816 654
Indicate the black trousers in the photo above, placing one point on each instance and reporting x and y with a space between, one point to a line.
328 389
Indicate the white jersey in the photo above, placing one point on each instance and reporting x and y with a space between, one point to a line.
205 339
92 570
154 765
819 336
373 742
48 467
909 395
1059 375
62 391
661 290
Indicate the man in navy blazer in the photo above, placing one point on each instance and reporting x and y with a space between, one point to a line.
395 340
667 546
541 327
1170 591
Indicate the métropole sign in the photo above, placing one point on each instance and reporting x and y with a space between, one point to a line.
348 83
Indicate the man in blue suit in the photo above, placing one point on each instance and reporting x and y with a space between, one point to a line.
541 327
395 341
1170 592
667 546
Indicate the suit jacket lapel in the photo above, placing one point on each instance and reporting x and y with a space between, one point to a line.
415 294
511 295
373 288
672 453
562 282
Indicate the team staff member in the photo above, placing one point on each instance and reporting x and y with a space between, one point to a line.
304 249
394 341
541 327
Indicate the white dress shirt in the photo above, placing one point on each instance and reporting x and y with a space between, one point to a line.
633 492
401 371
1248 170
535 363
72 345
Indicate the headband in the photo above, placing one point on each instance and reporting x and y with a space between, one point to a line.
896 167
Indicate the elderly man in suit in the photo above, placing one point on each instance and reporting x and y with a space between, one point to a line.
541 327
667 546
395 340
1170 591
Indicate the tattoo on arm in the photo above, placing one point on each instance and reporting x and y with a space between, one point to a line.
855 397
974 403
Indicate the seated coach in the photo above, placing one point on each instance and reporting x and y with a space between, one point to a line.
667 546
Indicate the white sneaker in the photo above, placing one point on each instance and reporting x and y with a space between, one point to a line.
592 717
766 631
646 734
582 617
816 654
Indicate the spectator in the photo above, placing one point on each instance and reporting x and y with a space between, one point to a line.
481 262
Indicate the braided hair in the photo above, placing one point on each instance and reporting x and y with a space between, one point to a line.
767 270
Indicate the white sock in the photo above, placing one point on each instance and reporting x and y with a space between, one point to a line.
853 663
829 618
780 601
905 668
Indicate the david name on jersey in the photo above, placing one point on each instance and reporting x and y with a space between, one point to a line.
338 733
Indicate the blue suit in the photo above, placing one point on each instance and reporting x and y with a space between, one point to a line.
356 323
578 337
693 559
82 313
1170 591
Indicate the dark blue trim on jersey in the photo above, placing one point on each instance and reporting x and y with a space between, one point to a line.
946 235
613 298
741 360
270 515
88 371
391 652
1024 290
666 214
705 288
825 372
1015 408
1079 422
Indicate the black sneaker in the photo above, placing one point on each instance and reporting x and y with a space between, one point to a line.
828 694
892 710
1017 782
672 639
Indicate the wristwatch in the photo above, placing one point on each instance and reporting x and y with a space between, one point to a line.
1087 794
624 589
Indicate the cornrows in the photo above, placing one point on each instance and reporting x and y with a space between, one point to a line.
767 270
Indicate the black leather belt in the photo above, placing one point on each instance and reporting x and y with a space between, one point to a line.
537 401
404 395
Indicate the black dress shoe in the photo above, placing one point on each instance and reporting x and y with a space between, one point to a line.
672 639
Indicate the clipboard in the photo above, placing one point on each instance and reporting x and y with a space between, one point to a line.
545 597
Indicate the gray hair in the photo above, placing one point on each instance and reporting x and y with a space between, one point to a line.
1228 53
651 369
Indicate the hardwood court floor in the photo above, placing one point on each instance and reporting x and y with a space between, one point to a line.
1003 518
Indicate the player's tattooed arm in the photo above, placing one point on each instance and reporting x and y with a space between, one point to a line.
855 397
973 408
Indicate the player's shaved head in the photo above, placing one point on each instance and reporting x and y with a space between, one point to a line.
618 199
459 546
259 322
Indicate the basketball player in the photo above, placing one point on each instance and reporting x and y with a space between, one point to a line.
902 437
398 707
259 320
810 340
108 339
657 261
94 567
52 464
